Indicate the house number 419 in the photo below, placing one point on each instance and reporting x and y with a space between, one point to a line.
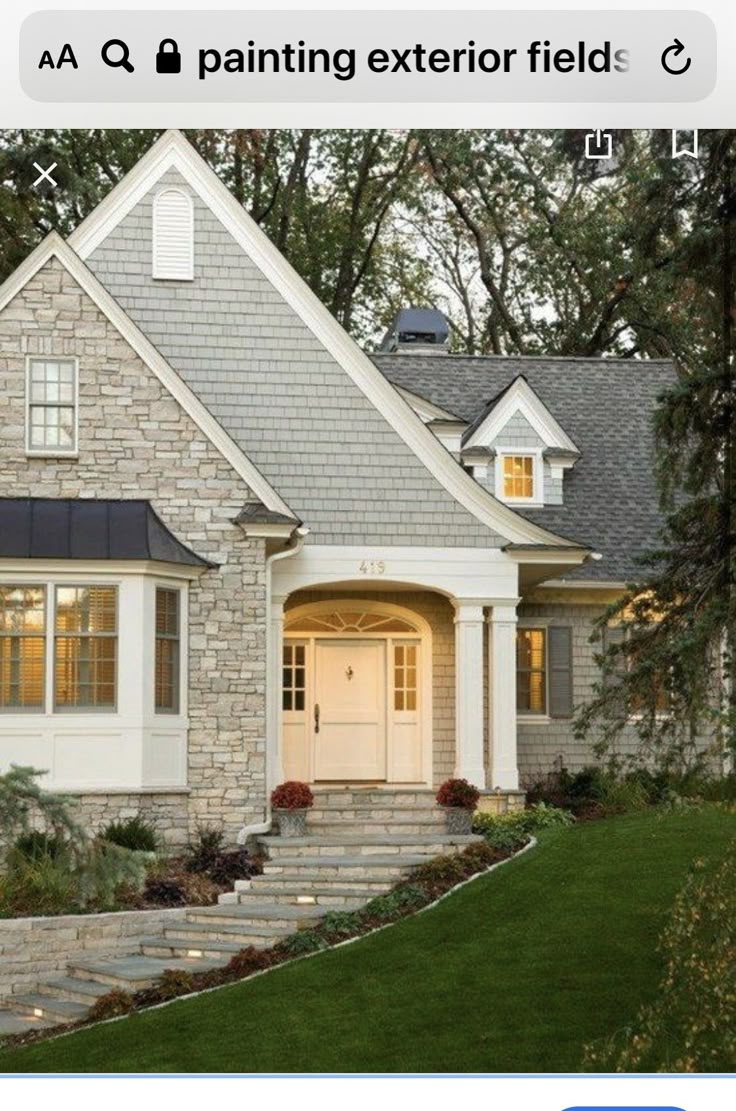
372 567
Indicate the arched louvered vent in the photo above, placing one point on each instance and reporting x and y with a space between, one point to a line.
173 235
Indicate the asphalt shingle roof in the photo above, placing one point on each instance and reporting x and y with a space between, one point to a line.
606 407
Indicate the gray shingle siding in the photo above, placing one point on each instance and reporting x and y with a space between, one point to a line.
606 406
291 408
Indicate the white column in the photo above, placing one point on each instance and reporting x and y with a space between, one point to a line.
274 656
469 693
504 771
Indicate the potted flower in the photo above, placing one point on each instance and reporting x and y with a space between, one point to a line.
290 802
459 799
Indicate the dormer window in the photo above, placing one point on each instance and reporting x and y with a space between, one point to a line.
519 478
173 235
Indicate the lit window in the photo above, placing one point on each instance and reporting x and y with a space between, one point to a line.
531 671
52 406
167 651
518 476
405 677
85 647
22 647
294 677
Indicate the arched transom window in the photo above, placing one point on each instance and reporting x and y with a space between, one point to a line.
349 621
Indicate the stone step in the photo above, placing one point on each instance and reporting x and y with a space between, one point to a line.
76 990
11 1023
306 886
347 844
372 827
136 972
299 868
374 798
184 947
39 1005
253 912
261 937
321 895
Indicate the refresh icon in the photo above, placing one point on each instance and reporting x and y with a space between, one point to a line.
668 59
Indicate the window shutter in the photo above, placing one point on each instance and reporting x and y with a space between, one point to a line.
560 671
614 634
173 235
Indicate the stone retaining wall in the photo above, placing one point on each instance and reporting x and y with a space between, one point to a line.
35 950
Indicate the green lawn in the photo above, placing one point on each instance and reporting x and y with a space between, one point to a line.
514 973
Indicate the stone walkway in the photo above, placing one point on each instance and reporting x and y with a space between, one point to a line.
359 843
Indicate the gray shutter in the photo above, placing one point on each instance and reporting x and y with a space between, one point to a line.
614 634
560 671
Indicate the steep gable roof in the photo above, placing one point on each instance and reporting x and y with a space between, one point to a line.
173 152
54 247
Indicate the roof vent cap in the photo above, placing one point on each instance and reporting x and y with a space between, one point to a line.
417 331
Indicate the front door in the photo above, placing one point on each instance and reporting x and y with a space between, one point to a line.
349 712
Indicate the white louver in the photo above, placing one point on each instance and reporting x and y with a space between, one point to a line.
173 235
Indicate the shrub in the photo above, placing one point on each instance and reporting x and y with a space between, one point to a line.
292 795
173 982
134 833
203 852
36 844
164 892
22 801
249 960
691 1024
395 904
234 865
458 792
511 829
40 885
295 945
111 1005
341 923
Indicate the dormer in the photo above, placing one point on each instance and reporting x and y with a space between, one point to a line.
518 450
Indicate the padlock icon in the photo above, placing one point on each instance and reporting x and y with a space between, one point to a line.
168 59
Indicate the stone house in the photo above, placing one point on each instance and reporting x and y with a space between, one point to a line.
235 548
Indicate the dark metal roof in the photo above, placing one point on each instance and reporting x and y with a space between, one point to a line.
68 528
605 406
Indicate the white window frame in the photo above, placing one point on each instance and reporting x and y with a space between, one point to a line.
52 707
52 452
158 272
533 453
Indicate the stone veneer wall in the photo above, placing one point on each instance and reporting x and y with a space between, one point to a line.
168 811
136 441
36 950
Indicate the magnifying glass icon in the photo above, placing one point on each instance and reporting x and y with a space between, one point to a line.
123 60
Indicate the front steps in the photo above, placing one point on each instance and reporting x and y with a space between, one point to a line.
359 843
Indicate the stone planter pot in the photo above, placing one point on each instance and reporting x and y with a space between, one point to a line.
292 823
458 819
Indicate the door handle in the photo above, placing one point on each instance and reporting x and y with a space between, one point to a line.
316 717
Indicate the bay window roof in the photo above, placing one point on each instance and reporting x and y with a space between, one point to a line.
87 528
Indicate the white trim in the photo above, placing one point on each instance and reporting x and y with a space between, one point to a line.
422 635
159 270
53 246
426 410
521 398
49 452
533 453
173 151
30 569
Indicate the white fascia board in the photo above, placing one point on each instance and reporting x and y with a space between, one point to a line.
26 569
53 246
521 398
426 410
173 151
